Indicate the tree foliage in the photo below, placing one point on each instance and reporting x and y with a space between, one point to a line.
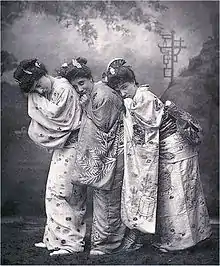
79 14
8 61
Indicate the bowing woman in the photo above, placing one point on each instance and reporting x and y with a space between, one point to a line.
99 158
55 112
162 191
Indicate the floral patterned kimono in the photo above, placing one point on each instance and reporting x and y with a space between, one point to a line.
162 192
55 124
100 164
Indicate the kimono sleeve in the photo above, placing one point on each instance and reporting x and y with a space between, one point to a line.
54 121
53 108
104 111
147 109
63 113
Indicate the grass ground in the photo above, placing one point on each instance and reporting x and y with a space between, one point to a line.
19 235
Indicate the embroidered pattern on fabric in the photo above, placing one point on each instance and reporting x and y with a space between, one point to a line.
187 125
72 139
95 168
138 135
96 163
165 186
146 207
167 155
158 105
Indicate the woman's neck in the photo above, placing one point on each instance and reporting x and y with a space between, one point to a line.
91 89
52 80
135 90
48 92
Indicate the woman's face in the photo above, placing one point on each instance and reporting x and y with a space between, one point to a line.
127 90
82 85
43 86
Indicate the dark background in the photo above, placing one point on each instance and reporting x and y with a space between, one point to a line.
56 31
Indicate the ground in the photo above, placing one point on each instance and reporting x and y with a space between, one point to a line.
19 235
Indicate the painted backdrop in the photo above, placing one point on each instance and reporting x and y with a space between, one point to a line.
56 31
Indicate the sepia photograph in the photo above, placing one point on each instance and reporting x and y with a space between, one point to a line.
110 132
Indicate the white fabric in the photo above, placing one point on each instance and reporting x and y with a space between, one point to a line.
162 192
141 154
182 216
65 205
53 120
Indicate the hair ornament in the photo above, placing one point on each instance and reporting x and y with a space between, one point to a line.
116 63
145 85
64 65
37 64
18 81
76 63
27 72
112 71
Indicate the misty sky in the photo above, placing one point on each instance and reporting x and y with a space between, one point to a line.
43 37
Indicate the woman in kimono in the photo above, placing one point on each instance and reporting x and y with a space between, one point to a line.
55 112
99 159
162 191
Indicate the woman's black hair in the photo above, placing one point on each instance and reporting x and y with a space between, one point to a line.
122 74
27 72
77 68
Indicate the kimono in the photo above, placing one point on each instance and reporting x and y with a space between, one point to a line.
99 163
162 192
55 125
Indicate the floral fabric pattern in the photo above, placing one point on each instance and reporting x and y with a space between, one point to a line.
107 223
101 148
65 205
55 124
54 120
99 139
187 125
182 216
141 140
96 160
162 191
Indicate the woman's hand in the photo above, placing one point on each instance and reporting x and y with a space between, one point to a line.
84 99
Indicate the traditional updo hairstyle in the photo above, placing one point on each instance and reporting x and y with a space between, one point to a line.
117 74
77 68
27 72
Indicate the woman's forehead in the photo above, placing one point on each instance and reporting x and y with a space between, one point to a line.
124 85
78 80
37 83
41 79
